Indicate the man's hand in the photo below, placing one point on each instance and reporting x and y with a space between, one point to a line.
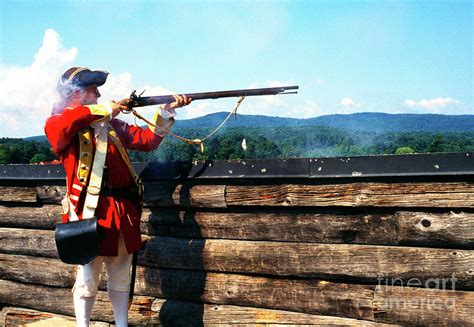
179 101
117 107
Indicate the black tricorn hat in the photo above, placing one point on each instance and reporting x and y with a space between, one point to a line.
80 77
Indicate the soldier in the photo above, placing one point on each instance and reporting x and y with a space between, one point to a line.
119 204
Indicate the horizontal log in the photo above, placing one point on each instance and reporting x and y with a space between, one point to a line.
448 194
412 306
387 302
450 230
18 194
44 217
186 195
367 263
11 316
149 310
59 300
311 296
428 194
28 242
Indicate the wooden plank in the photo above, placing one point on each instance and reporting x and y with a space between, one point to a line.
44 217
182 313
334 261
448 194
18 194
186 195
367 263
450 230
421 307
37 270
391 304
28 242
150 310
11 316
59 301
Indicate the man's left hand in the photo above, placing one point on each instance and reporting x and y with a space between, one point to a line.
179 101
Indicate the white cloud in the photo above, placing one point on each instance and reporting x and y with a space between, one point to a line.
434 104
348 102
27 93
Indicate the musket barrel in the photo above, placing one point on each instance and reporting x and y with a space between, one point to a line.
139 101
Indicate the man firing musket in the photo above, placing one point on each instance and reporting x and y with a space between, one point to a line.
103 203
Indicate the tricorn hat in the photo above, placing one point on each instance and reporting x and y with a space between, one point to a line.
80 77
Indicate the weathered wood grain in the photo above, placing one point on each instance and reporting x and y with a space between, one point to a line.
429 194
18 194
59 300
449 230
367 263
44 217
438 305
28 242
421 307
11 316
150 310
335 261
185 195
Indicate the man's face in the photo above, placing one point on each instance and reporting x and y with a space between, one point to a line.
90 95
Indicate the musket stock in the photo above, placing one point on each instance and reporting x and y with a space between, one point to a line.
140 101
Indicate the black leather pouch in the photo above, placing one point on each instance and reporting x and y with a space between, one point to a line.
77 242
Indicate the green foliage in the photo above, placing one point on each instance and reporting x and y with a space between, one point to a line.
19 151
404 150
268 143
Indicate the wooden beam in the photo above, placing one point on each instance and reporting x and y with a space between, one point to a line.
449 195
385 303
186 195
150 310
414 306
44 217
368 263
449 230
11 316
18 194
189 194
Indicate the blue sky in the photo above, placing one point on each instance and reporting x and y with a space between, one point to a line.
346 56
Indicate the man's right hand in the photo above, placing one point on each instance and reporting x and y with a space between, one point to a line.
118 107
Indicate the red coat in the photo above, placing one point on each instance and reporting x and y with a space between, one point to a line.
114 214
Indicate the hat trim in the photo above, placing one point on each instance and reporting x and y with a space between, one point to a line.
74 73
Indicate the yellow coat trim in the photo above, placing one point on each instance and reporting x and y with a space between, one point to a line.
100 110
85 155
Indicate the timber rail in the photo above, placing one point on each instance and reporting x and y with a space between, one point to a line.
332 241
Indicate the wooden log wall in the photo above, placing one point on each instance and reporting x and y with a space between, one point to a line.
391 248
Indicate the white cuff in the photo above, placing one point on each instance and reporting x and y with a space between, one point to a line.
167 114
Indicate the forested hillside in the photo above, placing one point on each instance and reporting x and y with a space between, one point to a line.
274 137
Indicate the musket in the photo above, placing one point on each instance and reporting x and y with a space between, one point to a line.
141 101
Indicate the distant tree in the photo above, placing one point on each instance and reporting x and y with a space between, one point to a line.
404 150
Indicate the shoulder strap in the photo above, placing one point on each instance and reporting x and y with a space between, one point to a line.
93 189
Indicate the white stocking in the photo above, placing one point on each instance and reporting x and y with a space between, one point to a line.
119 300
83 309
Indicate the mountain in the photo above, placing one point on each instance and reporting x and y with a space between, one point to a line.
366 121
375 122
